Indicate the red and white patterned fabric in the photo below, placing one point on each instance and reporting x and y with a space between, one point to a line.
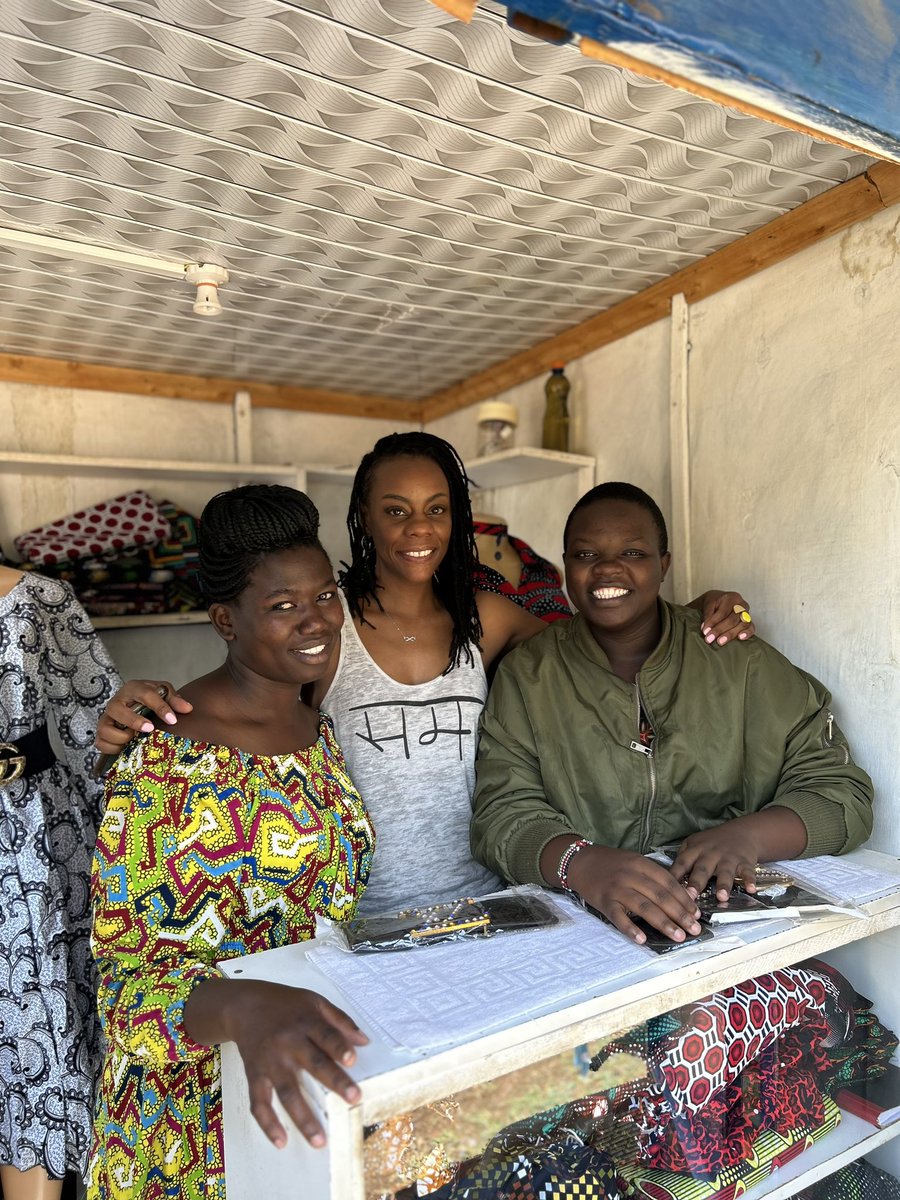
728 1030
134 519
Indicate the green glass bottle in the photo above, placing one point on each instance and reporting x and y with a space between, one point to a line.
556 412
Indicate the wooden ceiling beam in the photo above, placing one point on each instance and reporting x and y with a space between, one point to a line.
53 372
817 219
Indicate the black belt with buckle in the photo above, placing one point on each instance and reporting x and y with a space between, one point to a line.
26 756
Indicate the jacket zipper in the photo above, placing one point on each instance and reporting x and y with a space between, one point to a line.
829 738
647 752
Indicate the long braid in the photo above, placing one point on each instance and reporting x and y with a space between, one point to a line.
454 580
238 527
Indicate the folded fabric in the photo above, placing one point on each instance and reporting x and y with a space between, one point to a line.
133 519
138 580
177 550
779 1092
694 1051
563 1170
770 1150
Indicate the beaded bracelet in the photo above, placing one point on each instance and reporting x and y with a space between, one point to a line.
562 871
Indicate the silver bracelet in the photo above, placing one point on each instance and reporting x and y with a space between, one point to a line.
562 871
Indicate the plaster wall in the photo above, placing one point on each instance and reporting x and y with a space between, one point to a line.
795 474
618 405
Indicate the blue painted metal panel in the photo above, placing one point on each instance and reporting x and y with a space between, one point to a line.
834 64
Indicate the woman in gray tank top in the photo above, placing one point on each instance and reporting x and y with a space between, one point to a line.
408 681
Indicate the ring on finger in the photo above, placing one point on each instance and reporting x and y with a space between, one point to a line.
740 611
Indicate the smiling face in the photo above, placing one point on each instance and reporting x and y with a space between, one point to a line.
286 623
407 515
614 568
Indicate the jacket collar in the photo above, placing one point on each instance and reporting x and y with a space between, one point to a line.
656 661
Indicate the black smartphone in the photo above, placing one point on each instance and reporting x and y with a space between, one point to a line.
657 941
660 944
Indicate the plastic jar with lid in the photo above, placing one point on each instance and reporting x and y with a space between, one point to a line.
497 423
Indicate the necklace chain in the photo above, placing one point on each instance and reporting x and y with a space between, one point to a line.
407 637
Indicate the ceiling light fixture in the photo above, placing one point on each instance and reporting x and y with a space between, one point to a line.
207 278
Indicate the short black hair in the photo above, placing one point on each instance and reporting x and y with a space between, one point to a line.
454 579
631 495
239 527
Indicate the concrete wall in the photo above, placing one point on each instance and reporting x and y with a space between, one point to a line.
795 461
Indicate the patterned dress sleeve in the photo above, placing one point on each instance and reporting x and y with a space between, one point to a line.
78 675
155 937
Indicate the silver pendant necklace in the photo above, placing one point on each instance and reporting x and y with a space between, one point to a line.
407 637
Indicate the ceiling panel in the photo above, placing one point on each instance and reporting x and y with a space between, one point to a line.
402 200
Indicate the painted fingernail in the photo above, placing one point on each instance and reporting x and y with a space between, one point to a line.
722 640
317 1140
742 637
170 718
146 727
710 637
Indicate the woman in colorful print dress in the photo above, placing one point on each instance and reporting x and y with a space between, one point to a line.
222 841
54 670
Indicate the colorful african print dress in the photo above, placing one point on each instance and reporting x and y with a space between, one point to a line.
204 853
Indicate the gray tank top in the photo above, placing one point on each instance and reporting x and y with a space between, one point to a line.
410 750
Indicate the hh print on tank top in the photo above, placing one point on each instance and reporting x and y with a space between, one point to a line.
410 749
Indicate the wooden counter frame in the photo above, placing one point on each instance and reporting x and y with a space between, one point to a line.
411 1084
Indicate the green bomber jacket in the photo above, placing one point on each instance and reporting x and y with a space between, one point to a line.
735 728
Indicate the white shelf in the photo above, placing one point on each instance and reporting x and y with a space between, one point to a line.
852 1139
525 464
71 464
140 621
323 473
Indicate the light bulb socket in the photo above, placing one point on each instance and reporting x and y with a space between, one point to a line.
207 278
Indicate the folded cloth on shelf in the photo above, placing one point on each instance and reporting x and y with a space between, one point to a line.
565 1169
139 580
694 1051
133 519
778 1091
769 1151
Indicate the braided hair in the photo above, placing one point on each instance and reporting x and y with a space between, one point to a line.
454 579
239 527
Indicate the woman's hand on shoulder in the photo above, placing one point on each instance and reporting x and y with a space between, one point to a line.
280 1030
725 617
504 625
121 720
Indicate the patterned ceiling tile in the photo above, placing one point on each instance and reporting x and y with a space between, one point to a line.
402 200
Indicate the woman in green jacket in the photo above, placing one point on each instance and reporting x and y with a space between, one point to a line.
619 732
